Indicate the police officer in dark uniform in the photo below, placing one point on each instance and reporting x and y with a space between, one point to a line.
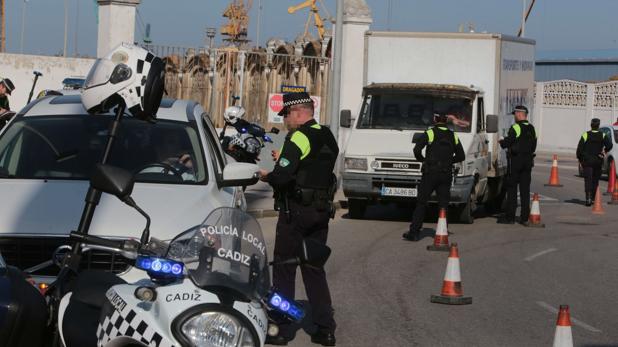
521 146
590 153
443 150
6 88
304 186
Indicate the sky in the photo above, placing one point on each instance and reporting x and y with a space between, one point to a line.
560 27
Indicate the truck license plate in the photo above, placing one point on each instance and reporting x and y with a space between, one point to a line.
398 191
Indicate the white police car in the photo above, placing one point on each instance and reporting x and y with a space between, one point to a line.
48 150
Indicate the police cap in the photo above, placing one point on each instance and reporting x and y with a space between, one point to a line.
291 99
520 108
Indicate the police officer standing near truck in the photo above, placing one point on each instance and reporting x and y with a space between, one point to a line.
304 186
443 150
591 150
521 146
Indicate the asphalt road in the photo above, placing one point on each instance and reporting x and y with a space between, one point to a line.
516 276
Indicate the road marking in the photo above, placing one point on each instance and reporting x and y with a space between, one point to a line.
577 322
536 255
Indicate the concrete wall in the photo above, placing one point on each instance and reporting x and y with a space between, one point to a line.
564 108
19 68
116 24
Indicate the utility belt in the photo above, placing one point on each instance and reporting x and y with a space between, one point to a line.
321 199
435 167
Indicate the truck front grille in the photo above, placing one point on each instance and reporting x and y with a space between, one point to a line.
396 165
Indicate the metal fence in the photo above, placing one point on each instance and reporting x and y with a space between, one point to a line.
213 76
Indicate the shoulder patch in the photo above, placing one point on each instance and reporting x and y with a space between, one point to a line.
283 162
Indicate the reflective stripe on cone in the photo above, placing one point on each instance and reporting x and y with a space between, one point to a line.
440 240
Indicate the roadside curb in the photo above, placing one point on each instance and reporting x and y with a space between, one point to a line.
266 213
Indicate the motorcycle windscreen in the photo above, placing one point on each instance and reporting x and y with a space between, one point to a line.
226 255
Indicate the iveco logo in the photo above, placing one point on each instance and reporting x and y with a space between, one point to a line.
401 166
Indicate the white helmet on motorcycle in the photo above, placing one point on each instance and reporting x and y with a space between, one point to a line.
128 74
233 113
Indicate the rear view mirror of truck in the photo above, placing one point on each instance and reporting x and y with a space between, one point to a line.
345 118
491 124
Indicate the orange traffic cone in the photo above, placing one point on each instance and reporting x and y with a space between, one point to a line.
554 179
611 178
452 293
440 240
535 213
614 196
563 336
597 208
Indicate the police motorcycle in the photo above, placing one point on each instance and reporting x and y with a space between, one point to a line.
246 144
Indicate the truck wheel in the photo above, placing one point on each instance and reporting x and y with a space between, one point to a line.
466 211
356 208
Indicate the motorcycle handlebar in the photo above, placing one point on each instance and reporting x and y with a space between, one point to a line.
95 240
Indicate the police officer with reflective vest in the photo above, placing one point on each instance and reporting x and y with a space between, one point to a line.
304 186
521 146
443 150
590 153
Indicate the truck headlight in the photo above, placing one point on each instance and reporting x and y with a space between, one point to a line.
355 164
216 329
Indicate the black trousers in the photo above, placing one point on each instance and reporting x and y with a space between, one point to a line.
592 174
520 171
441 183
305 222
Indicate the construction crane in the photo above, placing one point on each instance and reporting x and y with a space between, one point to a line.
235 30
313 13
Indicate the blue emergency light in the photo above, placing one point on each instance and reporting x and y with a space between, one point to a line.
289 308
159 267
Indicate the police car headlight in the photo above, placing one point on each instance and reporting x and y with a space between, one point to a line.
355 164
217 329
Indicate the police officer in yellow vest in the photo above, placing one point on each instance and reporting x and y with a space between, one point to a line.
590 153
521 147
443 150
304 183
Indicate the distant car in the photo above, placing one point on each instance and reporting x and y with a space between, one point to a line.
49 148
612 132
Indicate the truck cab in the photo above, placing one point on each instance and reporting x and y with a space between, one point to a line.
379 164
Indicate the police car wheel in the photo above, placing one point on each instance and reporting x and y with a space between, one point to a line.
357 208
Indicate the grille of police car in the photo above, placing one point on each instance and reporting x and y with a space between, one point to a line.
26 252
396 165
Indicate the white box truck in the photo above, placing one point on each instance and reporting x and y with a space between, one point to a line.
475 78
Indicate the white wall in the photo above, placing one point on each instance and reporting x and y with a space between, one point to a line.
19 68
564 109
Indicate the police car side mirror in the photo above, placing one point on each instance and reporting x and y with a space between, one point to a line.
239 174
491 124
345 118
416 138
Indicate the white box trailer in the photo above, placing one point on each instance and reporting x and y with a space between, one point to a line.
476 78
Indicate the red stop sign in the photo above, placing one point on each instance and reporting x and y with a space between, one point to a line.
276 102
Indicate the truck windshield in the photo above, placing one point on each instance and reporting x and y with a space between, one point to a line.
407 111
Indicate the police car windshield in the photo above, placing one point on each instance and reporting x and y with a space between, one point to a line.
409 111
68 147
226 253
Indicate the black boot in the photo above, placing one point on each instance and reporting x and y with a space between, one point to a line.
412 235
589 200
277 340
324 338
